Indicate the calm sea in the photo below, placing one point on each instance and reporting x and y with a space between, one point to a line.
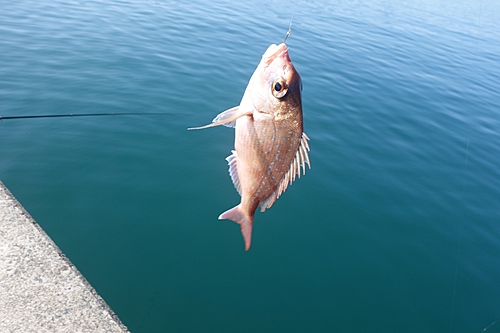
396 228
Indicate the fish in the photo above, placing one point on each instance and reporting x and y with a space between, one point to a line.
270 146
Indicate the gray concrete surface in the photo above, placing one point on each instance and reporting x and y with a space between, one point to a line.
40 289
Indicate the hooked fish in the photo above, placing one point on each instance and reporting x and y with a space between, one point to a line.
271 148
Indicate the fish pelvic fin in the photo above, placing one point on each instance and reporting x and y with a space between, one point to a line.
226 118
298 164
238 215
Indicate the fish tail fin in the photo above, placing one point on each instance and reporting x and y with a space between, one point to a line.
238 215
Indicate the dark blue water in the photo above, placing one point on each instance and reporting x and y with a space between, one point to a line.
396 228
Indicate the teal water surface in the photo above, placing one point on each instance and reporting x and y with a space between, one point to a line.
394 229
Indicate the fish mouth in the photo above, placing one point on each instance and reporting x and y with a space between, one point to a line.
276 51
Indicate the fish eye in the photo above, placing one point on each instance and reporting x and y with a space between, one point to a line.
279 88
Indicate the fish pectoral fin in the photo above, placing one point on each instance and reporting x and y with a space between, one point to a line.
298 163
226 118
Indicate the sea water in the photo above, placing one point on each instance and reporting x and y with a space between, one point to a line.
396 228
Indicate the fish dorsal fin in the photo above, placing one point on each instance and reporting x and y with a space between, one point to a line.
298 163
226 118
233 171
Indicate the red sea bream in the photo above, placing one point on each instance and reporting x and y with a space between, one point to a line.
270 145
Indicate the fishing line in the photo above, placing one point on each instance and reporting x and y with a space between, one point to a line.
71 115
460 230
153 299
493 323
290 25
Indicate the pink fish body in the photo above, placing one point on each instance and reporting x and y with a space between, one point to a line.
270 145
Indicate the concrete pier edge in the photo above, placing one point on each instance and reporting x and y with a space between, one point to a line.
40 289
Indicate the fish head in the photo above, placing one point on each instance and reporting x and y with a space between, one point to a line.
275 86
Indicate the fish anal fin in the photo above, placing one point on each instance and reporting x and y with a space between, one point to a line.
232 161
226 118
297 165
238 215
268 202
